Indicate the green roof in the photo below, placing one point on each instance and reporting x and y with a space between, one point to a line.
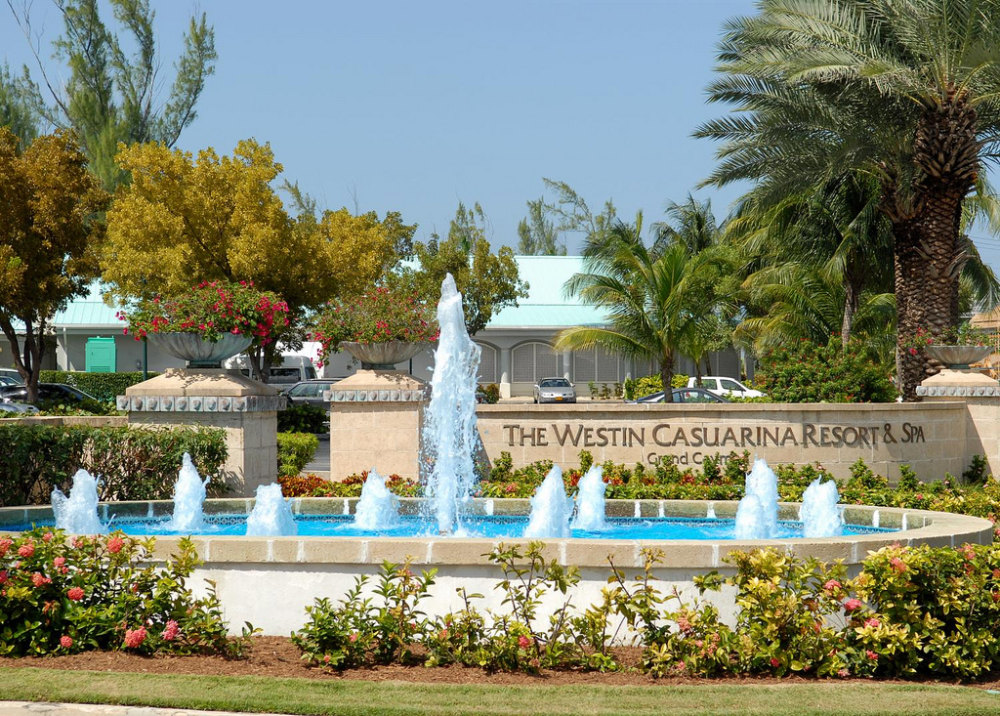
546 306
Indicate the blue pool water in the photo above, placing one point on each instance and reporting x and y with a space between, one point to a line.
666 528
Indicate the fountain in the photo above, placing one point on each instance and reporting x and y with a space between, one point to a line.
78 512
189 496
757 514
450 435
590 510
551 508
819 513
378 508
271 514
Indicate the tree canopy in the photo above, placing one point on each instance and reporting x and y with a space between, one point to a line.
48 203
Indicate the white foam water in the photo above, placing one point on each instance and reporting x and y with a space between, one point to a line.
377 508
450 436
757 513
590 502
271 515
78 512
819 513
551 508
189 499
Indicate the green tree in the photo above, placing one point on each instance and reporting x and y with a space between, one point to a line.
48 203
903 91
110 96
488 281
537 235
574 215
17 109
183 220
648 293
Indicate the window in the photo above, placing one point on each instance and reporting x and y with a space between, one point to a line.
488 364
732 385
597 365
532 361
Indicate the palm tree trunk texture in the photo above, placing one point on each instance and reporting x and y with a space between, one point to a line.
928 257
667 376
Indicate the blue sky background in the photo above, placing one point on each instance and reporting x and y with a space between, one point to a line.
415 106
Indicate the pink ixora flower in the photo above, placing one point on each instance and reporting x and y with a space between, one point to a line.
897 565
851 604
40 580
47 537
65 642
27 549
831 585
774 662
5 545
872 656
523 642
75 593
134 638
873 623
170 631
353 637
115 544
59 561
3 576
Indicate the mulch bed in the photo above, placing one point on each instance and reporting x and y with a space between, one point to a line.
278 657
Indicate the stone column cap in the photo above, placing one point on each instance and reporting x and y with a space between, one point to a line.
219 382
378 386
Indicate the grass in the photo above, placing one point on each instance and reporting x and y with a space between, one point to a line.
347 698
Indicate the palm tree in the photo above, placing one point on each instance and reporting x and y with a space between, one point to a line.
651 295
907 92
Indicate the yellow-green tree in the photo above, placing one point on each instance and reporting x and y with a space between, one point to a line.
185 219
48 203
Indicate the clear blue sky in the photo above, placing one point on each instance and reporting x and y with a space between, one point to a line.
415 106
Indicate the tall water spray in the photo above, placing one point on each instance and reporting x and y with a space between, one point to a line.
378 508
757 513
819 513
189 497
590 501
271 514
450 436
78 512
551 508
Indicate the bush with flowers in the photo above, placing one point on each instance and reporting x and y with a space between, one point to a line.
379 316
62 594
211 309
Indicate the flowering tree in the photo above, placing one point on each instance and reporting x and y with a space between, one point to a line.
379 316
212 309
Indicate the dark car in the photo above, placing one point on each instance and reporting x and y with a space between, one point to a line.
54 392
684 395
310 392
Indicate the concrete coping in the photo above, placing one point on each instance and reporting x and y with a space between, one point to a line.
936 529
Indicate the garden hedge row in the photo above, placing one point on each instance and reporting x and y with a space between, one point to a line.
132 463
103 386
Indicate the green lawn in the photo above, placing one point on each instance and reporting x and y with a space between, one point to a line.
308 696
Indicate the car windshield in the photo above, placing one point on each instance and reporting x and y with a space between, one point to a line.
554 383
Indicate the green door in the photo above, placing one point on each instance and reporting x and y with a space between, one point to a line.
101 355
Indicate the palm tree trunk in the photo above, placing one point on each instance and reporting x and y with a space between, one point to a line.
667 376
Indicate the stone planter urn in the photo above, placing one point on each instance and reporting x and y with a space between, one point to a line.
383 356
199 352
958 357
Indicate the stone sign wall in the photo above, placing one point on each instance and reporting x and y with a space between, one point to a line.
933 438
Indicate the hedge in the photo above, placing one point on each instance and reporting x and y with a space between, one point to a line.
132 463
103 386
295 451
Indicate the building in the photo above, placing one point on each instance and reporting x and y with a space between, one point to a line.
516 345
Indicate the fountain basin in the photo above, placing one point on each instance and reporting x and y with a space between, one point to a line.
269 581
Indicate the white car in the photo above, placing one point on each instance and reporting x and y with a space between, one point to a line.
726 387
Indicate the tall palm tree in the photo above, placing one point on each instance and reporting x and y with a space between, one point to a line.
907 91
650 294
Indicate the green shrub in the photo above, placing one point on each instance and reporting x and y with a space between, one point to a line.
133 463
295 451
63 595
302 418
492 393
804 372
103 386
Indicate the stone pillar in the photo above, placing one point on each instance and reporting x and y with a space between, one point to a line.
505 372
981 395
216 398
375 421
567 363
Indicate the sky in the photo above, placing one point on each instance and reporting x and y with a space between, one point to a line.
417 106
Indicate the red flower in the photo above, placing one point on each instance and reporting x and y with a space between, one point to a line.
134 639
775 663
27 549
75 593
523 642
115 544
852 604
65 642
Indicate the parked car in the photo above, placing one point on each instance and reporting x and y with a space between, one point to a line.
310 392
721 385
7 380
684 395
554 390
10 376
7 406
56 392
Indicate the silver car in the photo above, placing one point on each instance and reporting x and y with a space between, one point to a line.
554 390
